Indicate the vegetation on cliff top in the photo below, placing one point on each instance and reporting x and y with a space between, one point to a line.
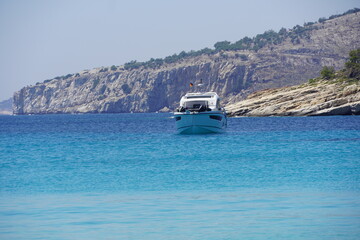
269 37
350 73
352 67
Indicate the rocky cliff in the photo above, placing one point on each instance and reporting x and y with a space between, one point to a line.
322 98
233 74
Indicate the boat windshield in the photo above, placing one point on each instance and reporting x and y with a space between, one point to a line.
195 104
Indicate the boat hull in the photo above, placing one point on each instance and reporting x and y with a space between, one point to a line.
200 123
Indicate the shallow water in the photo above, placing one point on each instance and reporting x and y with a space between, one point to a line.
130 176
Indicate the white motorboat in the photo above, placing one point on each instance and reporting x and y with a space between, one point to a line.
200 113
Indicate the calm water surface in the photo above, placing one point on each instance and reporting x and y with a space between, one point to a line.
130 176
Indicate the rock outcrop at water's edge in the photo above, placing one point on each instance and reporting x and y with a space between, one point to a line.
334 93
232 74
321 99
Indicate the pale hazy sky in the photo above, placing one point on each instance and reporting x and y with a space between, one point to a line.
42 39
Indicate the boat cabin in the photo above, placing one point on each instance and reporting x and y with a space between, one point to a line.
200 102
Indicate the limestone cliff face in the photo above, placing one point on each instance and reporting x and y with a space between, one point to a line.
320 99
229 73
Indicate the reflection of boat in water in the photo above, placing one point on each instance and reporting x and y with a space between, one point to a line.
200 113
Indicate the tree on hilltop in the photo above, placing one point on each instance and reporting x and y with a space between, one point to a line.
353 65
224 45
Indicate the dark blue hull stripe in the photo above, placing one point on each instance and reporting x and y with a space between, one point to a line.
199 126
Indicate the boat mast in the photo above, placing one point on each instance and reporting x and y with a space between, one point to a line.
200 86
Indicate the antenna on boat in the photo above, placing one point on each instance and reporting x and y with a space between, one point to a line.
200 85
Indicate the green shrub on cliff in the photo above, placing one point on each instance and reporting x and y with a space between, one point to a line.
353 65
95 83
67 76
126 88
327 72
321 20
224 45
313 80
350 73
133 65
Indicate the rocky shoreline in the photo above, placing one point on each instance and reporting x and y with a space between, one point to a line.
323 98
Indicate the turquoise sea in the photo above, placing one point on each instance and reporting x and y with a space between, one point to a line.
130 176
